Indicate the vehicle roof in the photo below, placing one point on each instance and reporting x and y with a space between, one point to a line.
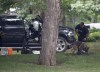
12 19
8 16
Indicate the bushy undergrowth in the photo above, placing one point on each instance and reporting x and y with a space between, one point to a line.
94 35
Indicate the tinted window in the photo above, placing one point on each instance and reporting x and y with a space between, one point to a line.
1 22
18 22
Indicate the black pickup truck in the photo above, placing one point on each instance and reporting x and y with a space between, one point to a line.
14 34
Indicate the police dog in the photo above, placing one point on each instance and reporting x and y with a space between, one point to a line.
79 48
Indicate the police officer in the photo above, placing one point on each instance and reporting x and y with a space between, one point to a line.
82 32
36 26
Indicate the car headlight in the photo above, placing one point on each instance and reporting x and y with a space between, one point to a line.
70 33
66 31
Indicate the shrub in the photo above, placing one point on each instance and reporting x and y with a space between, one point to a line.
94 35
91 39
94 30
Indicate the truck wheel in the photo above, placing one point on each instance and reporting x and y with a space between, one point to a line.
61 44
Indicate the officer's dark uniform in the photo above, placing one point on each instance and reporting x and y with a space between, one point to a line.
82 32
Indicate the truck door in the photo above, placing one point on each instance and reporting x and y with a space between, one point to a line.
2 40
14 32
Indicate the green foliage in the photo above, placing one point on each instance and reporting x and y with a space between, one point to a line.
81 10
94 30
94 35
91 39
75 10
5 4
87 9
25 8
29 8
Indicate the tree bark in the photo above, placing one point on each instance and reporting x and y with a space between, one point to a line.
62 19
50 33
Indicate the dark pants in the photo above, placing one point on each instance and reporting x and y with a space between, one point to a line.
81 38
35 34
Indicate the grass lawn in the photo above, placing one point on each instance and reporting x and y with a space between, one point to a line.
66 62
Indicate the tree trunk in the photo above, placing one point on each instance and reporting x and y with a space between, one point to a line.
62 19
50 33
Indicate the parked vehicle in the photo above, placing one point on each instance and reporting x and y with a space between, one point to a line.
13 31
65 38
17 36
